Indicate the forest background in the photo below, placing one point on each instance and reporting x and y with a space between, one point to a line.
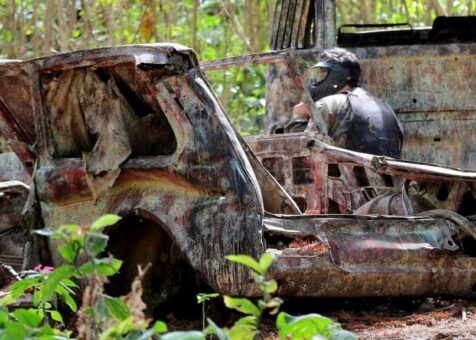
213 28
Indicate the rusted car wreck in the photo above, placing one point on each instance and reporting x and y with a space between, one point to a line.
137 131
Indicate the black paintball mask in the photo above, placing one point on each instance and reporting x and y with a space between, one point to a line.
327 78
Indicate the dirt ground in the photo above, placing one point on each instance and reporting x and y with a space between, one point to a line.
453 320
383 319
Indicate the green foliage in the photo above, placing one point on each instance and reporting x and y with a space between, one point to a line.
246 261
48 287
242 305
308 326
242 91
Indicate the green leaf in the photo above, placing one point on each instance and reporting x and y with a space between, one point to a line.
204 297
247 261
87 268
212 328
242 305
270 286
55 315
104 221
47 330
28 317
95 243
53 279
107 266
70 302
306 326
3 316
69 283
76 33
65 293
36 298
67 252
159 327
69 228
7 35
249 321
239 332
119 329
15 330
190 335
265 261
18 288
117 307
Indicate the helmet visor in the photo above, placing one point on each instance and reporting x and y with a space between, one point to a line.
318 74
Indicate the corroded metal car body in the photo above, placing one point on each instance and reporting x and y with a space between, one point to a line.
137 131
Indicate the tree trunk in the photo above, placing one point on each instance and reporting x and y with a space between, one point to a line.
49 34
194 24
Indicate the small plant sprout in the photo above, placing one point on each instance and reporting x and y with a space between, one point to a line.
202 299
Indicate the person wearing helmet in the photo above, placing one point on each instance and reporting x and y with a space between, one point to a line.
355 119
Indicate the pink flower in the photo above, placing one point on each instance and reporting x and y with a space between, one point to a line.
43 269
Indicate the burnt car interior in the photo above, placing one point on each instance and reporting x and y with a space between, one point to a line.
104 105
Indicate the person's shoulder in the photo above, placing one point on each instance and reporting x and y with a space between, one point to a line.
334 98
360 92
332 103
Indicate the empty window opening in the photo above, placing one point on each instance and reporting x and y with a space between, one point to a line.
387 180
468 205
275 167
333 207
443 192
361 176
333 170
302 170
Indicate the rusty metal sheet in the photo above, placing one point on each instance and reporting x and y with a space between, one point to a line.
299 15
370 256
304 34
292 24
325 23
287 34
